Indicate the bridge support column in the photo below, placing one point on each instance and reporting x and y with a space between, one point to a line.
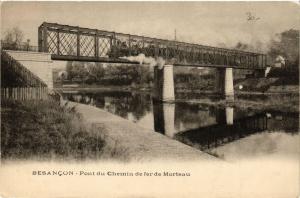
224 82
164 118
229 91
169 119
229 115
164 83
225 116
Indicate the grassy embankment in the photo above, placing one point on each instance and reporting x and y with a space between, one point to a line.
279 94
43 130
274 102
249 85
268 85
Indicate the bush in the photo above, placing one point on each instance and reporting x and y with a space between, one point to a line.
43 129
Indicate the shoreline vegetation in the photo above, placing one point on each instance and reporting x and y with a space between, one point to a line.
278 103
287 101
278 89
147 89
42 130
251 86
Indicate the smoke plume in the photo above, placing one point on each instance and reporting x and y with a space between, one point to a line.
142 59
280 59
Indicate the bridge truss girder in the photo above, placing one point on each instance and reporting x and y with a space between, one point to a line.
83 44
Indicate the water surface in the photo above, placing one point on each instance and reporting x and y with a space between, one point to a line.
226 132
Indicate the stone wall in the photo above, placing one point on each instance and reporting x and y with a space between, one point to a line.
38 63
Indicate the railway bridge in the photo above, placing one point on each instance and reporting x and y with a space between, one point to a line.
73 43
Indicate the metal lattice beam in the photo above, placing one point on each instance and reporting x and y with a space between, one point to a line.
83 44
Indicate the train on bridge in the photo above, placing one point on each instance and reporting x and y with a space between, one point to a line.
66 42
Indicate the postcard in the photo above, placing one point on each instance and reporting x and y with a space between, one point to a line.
143 99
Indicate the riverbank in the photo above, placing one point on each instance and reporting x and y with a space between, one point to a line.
269 85
43 130
258 101
284 103
137 143
292 89
103 88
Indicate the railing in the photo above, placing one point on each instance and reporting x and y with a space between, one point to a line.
25 76
28 86
25 93
75 43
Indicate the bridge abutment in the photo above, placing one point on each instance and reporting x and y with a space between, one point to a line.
39 63
224 82
164 84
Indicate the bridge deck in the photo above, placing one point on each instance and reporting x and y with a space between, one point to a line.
83 44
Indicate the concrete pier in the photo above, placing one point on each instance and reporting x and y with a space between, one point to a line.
225 116
164 83
169 118
224 82
229 115
229 91
164 118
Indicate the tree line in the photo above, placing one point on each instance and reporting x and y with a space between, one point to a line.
108 74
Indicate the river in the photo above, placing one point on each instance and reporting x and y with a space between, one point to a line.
227 132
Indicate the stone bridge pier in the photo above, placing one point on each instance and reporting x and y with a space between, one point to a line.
164 83
164 89
224 82
164 118
225 116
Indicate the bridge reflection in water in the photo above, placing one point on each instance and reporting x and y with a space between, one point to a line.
199 125
225 130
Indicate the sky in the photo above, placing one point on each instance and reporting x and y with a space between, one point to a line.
207 23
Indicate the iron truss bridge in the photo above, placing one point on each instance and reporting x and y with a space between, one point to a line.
74 43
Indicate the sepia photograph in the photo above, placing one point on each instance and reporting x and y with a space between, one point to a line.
150 99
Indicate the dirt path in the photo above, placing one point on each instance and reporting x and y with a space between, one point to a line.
135 142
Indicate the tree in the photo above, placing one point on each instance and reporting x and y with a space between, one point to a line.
95 71
13 38
287 46
76 70
69 70
79 71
